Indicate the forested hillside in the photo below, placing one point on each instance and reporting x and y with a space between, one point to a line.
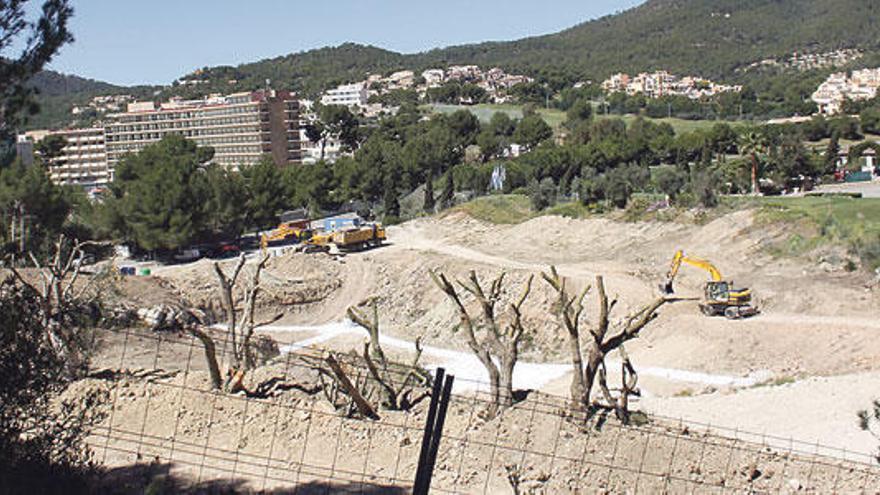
708 37
58 93
51 83
711 38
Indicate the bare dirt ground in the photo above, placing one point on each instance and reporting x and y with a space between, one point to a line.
296 437
799 370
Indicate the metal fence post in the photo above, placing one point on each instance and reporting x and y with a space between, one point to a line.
438 432
440 394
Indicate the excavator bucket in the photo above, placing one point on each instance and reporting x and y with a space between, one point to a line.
666 287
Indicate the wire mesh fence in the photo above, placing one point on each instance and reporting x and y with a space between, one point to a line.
282 434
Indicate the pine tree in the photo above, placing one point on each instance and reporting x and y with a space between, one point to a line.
831 153
391 203
429 193
266 193
447 197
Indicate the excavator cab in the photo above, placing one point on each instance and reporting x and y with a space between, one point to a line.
717 291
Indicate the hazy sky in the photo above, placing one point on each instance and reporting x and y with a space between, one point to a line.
138 41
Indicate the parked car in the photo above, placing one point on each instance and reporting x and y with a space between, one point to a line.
226 250
84 260
249 242
187 255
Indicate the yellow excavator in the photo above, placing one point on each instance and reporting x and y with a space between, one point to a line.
719 295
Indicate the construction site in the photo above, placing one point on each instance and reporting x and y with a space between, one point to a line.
749 375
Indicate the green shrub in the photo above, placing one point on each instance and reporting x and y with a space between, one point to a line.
569 210
388 220
499 209
669 181
868 251
637 208
542 194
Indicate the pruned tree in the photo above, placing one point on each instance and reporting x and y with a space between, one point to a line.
496 342
396 382
370 323
66 300
601 339
345 394
240 325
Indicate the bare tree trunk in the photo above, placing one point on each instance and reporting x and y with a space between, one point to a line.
485 359
594 361
570 308
22 234
494 389
505 397
210 357
12 220
579 393
226 287
370 323
58 274
754 175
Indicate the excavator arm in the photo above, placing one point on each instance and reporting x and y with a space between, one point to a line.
680 258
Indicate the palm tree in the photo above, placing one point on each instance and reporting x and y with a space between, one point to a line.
753 143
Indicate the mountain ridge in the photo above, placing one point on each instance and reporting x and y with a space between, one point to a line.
709 38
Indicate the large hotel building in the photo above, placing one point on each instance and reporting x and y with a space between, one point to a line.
83 161
242 128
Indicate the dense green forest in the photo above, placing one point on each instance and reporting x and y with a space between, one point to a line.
58 93
713 38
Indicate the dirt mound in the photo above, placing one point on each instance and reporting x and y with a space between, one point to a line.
292 279
411 304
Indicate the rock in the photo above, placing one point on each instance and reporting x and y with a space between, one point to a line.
753 473
165 318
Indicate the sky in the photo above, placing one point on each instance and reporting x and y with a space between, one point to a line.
132 42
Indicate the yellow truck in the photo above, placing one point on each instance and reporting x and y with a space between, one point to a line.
286 233
353 239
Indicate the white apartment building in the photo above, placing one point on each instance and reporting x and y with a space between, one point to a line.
401 80
311 152
464 72
862 85
241 127
661 83
349 95
82 161
434 77
616 83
